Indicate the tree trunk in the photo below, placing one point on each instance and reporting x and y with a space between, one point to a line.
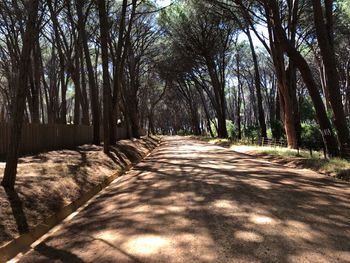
325 37
104 31
239 98
261 114
29 38
285 100
84 98
292 88
309 81
78 97
93 89
219 92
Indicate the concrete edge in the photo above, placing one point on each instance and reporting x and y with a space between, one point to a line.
23 242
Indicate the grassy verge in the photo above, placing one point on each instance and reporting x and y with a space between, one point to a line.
334 167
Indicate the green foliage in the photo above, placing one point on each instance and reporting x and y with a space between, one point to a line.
307 110
269 133
344 9
213 128
231 129
277 130
310 133
252 132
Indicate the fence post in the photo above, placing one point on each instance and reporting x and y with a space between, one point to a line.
324 152
310 151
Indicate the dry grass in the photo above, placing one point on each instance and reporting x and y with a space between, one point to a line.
48 181
334 167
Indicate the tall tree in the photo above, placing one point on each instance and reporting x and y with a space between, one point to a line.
104 33
29 38
94 94
323 17
272 10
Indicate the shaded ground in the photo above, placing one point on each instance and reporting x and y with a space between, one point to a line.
48 181
190 201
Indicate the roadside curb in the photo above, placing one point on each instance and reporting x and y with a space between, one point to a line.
23 242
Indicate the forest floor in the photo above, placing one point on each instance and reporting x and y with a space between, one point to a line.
48 181
190 201
334 167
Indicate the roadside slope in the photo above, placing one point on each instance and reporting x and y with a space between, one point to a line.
49 181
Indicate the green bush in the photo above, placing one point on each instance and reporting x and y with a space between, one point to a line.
310 134
230 126
251 132
231 129
213 128
307 110
277 130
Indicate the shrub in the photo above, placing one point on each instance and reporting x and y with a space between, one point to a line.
310 134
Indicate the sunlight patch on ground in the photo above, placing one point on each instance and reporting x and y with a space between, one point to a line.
313 256
225 204
248 236
176 209
243 148
260 183
146 244
262 220
301 231
214 141
108 235
298 225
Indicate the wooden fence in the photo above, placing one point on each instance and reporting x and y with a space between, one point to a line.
45 137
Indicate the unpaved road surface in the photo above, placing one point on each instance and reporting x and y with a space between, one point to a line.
194 202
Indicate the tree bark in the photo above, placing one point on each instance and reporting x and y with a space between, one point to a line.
301 64
285 100
261 114
325 37
29 38
219 92
93 89
104 32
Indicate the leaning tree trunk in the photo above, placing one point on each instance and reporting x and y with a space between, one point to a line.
29 38
305 71
285 100
324 33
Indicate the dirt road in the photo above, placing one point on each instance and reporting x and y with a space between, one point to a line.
194 202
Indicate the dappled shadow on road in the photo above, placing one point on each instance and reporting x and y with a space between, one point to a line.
46 182
194 202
